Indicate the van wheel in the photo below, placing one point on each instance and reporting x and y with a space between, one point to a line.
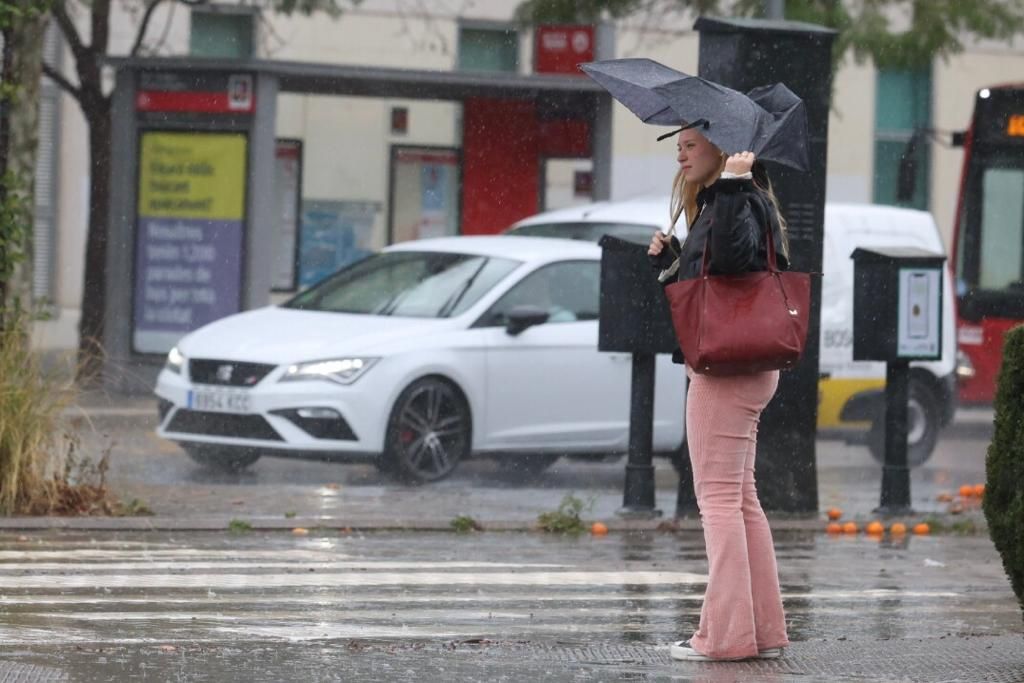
924 415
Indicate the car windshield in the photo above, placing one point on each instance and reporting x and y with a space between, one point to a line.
588 232
407 284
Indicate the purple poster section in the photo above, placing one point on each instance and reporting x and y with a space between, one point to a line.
187 275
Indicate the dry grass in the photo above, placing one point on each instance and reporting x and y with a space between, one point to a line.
41 472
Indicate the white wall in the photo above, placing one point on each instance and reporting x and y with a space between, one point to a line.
851 129
640 164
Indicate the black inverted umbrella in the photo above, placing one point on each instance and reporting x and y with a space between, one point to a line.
769 121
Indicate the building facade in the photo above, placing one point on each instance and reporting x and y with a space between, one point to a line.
356 173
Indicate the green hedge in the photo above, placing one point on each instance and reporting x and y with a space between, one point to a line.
1004 464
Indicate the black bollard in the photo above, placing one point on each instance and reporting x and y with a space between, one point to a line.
686 497
895 499
638 493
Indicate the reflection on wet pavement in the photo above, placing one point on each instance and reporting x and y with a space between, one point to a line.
207 593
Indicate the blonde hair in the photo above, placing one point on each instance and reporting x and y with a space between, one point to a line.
684 201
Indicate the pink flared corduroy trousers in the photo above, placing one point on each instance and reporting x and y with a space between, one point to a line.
742 611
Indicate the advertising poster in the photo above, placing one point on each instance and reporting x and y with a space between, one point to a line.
917 327
334 234
191 210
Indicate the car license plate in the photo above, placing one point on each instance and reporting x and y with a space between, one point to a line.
220 401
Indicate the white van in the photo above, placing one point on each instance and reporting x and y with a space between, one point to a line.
851 398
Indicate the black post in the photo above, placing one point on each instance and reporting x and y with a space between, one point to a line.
686 497
638 493
634 318
895 473
742 54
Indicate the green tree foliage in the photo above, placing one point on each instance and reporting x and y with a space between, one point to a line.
893 33
1004 465
21 23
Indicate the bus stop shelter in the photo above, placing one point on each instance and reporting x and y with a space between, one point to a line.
192 221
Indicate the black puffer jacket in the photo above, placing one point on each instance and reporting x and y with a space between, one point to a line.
731 215
727 213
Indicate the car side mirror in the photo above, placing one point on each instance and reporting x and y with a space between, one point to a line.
522 318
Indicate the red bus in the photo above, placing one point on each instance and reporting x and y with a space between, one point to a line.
988 246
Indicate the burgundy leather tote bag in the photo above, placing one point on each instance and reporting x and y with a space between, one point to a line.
741 323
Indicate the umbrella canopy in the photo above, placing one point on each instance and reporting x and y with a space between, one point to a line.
769 121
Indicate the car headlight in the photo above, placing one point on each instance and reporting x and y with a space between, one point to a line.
338 370
175 361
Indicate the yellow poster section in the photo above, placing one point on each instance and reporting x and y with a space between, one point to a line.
192 175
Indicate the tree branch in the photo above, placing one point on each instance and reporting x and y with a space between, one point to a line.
67 27
100 26
144 25
63 83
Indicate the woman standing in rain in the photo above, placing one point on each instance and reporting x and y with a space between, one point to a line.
728 205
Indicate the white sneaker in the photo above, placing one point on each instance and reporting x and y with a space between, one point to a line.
682 650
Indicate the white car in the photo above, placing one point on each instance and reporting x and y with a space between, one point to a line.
851 393
415 358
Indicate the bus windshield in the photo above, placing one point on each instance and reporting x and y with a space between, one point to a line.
991 253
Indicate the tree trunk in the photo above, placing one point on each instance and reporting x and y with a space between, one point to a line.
94 294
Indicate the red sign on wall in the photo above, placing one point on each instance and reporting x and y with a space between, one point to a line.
560 49
196 93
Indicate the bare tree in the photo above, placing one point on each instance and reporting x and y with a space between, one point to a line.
88 52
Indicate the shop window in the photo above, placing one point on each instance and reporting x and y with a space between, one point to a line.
220 33
902 105
488 49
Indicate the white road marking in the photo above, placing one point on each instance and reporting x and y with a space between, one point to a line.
265 581
189 565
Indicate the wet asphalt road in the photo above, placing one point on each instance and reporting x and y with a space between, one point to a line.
158 473
487 606
493 606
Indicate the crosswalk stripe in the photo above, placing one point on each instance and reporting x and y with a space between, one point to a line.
189 565
223 581
333 589
328 599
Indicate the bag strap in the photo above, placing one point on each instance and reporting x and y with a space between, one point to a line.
773 264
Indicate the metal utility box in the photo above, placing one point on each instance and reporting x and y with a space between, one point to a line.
634 314
634 318
897 304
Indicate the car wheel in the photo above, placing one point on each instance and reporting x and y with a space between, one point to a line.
429 432
923 417
527 464
222 458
